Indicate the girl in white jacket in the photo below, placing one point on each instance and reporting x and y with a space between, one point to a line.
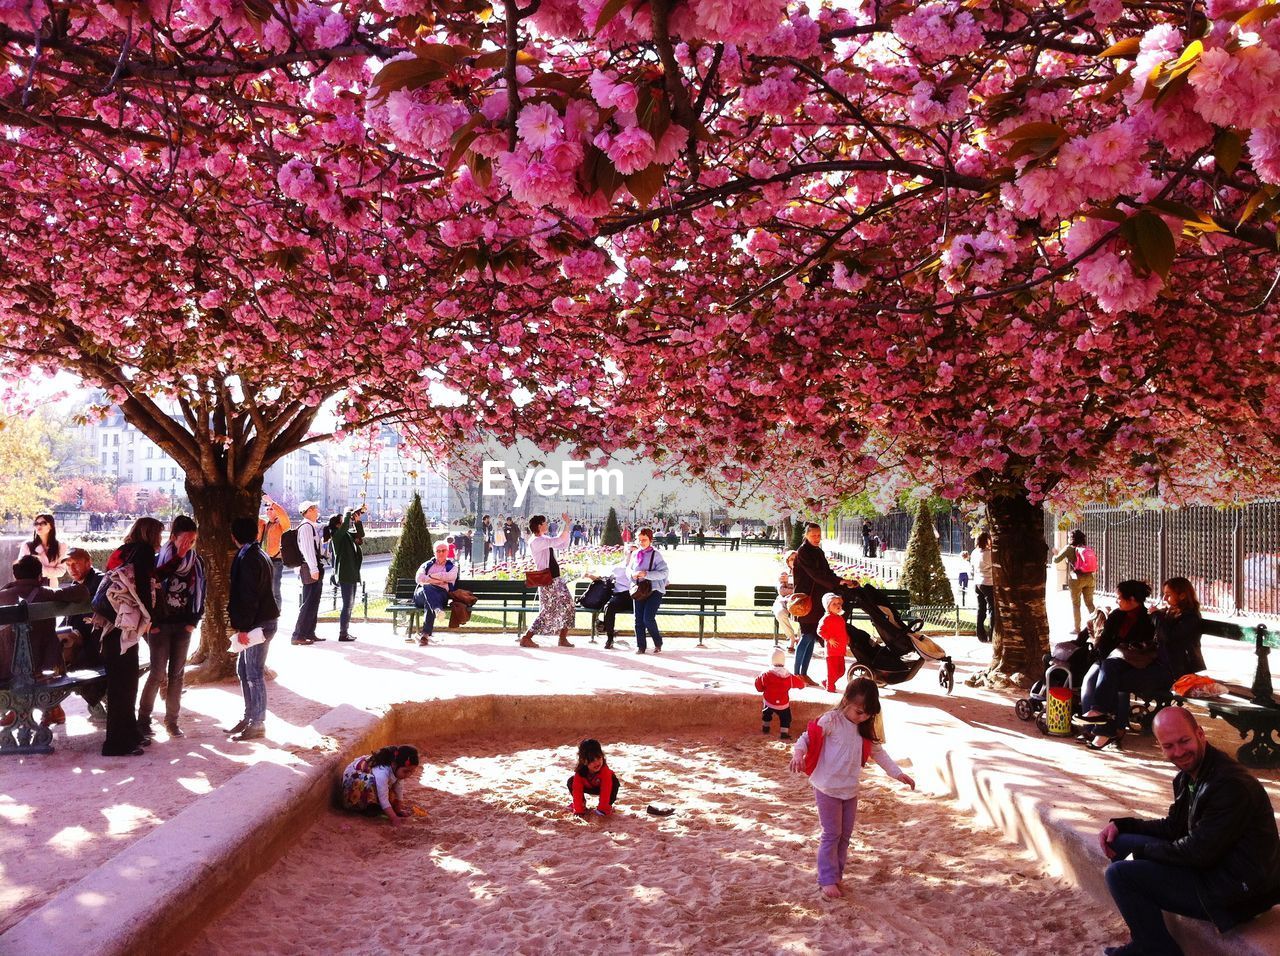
845 740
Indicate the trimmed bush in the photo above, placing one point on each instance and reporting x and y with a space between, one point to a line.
923 573
414 546
611 537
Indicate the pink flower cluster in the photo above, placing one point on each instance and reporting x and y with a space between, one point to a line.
940 30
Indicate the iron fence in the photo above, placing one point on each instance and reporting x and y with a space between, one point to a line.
1230 555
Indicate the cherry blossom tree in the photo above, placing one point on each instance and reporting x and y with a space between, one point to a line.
1021 252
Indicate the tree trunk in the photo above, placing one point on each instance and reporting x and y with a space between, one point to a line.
214 507
1020 555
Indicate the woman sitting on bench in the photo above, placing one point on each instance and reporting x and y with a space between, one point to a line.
1130 631
1173 649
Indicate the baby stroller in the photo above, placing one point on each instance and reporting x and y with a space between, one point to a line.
900 651
1065 666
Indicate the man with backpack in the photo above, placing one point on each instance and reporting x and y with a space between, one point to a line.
1082 567
306 542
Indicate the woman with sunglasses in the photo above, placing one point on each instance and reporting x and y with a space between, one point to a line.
44 545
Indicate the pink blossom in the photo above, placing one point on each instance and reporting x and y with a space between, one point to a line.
539 125
631 150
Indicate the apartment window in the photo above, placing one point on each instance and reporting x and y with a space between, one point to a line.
117 440
173 473
148 474
128 457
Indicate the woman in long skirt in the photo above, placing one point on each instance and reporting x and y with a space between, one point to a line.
555 603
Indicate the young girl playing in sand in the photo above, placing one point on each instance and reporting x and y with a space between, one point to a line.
846 739
376 781
593 776
832 630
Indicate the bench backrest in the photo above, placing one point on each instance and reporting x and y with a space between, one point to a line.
1232 632
504 590
696 595
765 595
405 588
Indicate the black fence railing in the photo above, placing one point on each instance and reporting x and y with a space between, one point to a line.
1230 555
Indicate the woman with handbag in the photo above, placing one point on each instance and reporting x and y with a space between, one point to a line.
555 603
1129 631
648 571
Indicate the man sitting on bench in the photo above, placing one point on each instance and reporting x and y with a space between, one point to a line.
1216 856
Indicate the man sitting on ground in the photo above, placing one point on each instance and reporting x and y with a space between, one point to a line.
1216 856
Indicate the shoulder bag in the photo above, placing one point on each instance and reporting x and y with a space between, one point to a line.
643 590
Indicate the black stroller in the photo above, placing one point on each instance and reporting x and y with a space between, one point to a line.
900 651
1065 666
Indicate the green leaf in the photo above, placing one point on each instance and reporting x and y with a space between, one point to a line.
645 184
1257 17
1153 243
462 140
1126 47
1265 194
1226 150
610 10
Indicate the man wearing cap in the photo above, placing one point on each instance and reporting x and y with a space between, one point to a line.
270 530
310 573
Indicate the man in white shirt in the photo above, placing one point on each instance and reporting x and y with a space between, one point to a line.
310 573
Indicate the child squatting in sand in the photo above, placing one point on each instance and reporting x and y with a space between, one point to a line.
844 739
376 782
593 776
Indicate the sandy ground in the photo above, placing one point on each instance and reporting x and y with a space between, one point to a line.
63 815
501 865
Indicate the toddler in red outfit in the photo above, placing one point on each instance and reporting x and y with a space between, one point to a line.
776 684
833 631
593 776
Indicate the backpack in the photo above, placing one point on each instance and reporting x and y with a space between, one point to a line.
290 553
1086 560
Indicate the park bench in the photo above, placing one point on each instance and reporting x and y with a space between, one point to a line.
400 601
702 601
775 543
25 692
715 541
1252 711
504 597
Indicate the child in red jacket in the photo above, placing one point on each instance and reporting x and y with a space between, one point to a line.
776 684
593 776
832 630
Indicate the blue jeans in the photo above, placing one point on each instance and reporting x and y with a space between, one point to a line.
646 614
348 592
277 576
1144 891
1115 677
804 650
250 666
305 626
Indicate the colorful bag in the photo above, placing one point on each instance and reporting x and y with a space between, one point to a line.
814 732
1086 560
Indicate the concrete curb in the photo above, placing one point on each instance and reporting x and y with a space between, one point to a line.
159 892
169 883
1055 816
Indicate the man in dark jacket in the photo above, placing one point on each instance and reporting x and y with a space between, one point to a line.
251 606
1216 856
813 576
77 631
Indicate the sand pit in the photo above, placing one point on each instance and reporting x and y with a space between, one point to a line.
500 865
